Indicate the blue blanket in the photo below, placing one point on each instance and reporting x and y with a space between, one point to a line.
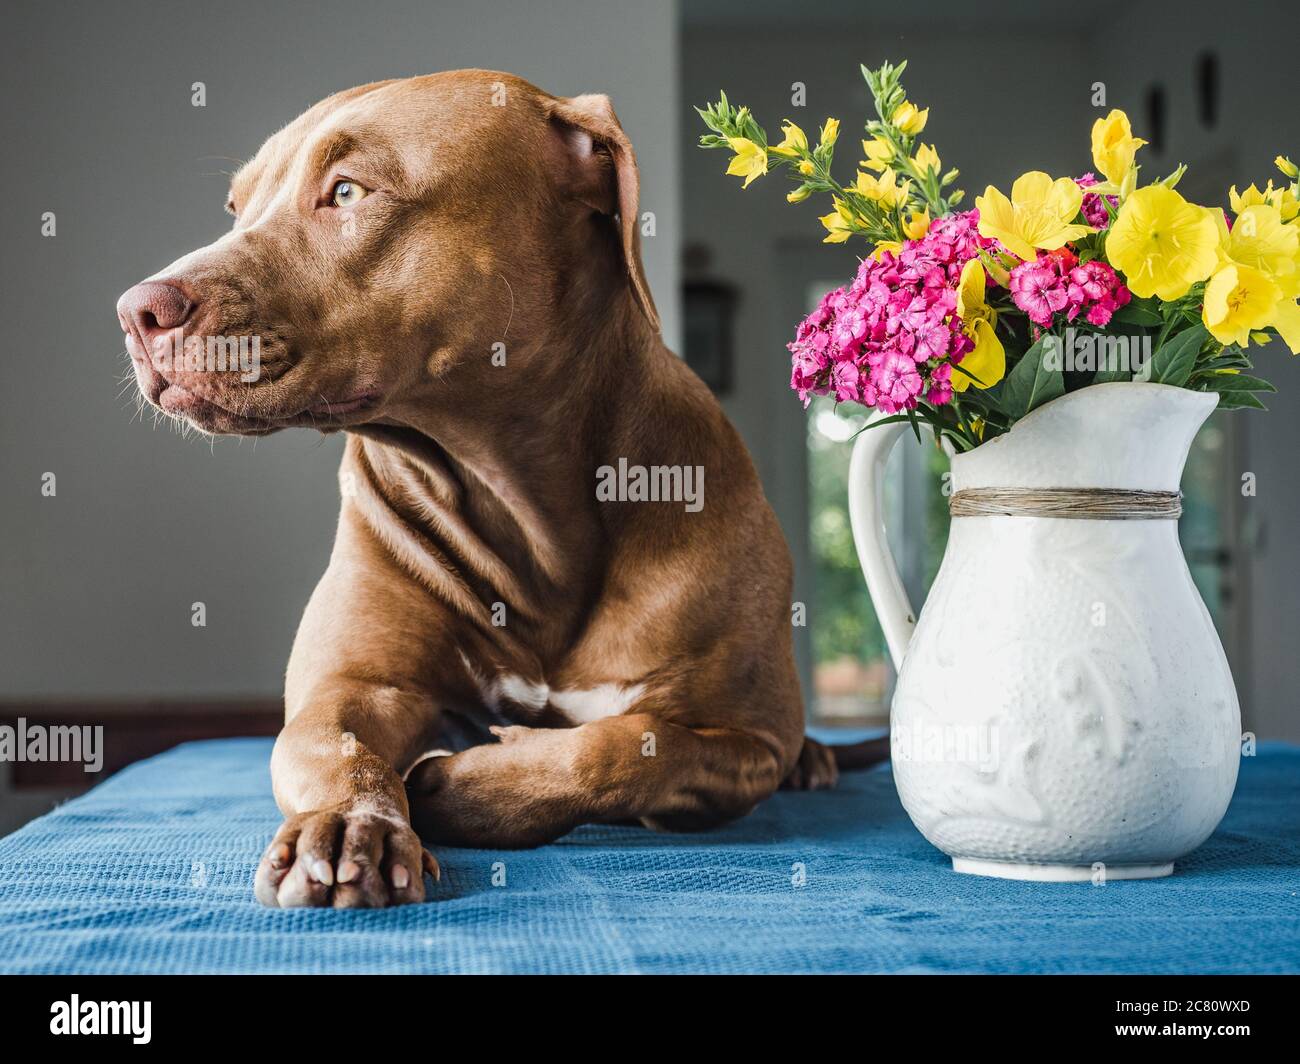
151 872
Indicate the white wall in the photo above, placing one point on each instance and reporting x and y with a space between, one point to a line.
96 584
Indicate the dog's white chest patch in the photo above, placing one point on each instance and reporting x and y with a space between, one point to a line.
593 703
579 705
522 692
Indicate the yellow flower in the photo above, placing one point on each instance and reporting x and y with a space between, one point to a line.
1287 167
927 159
795 142
1238 300
836 231
909 119
1241 200
882 189
1259 239
1161 243
971 287
830 131
749 162
1039 214
1281 198
837 223
1260 245
1286 320
917 225
798 195
1288 203
988 360
879 152
1114 146
806 167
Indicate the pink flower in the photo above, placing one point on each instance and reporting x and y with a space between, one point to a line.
1093 210
1056 281
932 341
939 394
897 382
1086 283
1038 289
892 335
844 378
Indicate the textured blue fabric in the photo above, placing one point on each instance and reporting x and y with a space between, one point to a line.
151 872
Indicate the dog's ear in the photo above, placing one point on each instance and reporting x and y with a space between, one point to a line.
603 175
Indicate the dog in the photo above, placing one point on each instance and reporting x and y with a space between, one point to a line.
510 639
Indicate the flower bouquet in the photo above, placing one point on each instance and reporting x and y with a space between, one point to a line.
968 320
1063 708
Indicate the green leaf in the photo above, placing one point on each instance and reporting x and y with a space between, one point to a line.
916 428
1229 358
1029 385
1236 382
1239 400
979 400
1111 376
1174 360
1138 312
891 420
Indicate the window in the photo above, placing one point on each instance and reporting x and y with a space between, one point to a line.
852 676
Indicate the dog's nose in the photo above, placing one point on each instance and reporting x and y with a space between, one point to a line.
152 308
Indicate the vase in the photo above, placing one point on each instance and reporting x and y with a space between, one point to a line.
1063 709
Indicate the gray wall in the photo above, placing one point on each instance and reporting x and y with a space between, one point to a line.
1259 117
96 583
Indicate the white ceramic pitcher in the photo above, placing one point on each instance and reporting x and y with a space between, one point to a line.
1064 709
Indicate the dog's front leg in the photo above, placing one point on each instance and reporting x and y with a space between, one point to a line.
346 840
362 707
537 784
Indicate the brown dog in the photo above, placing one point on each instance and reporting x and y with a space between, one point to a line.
448 268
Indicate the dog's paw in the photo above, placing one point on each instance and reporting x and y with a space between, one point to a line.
814 771
348 858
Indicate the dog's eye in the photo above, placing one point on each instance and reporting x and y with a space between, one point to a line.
346 193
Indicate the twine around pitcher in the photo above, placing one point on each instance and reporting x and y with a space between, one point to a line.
1081 504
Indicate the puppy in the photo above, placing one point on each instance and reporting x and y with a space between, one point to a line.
557 594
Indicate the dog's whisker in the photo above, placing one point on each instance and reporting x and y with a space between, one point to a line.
511 316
